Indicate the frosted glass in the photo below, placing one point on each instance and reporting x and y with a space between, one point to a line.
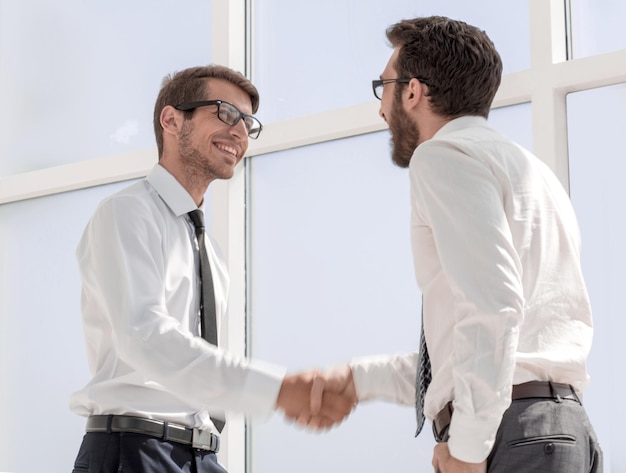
78 79
42 352
331 277
597 26
597 170
316 56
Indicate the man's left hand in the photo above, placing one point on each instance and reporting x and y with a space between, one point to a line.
443 462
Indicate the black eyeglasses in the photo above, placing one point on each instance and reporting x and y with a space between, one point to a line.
378 85
227 113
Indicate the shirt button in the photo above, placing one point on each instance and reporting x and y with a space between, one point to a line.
548 448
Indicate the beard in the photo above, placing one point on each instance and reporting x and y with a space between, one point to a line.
199 166
404 135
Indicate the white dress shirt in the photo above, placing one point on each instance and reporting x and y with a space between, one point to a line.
140 305
496 251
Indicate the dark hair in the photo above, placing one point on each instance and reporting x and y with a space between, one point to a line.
191 85
458 62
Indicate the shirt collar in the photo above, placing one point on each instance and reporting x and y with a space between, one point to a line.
171 191
460 123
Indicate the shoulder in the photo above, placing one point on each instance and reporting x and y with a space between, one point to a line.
134 211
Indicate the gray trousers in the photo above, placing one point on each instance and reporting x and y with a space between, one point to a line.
545 436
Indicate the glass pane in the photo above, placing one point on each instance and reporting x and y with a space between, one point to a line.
597 169
514 122
332 278
82 77
597 26
42 352
328 60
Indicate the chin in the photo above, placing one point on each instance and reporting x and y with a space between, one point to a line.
226 173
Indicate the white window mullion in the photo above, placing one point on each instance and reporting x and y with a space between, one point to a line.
227 216
548 46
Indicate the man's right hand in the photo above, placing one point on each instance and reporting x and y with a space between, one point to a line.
316 401
336 381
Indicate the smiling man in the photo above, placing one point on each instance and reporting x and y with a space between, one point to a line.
154 291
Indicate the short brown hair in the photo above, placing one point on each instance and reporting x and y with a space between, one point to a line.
190 85
458 62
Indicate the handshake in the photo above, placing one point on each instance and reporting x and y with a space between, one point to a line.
318 400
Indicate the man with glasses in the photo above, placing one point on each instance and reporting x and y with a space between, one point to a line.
154 291
506 318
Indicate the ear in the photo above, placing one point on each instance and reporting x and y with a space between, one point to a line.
413 93
171 120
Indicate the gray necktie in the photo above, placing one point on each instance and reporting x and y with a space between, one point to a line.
424 376
208 323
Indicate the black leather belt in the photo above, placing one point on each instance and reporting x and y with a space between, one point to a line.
530 390
196 438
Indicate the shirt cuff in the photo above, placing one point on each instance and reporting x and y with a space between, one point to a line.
471 440
386 378
366 373
261 388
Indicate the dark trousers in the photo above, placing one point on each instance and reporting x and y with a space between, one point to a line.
545 436
121 452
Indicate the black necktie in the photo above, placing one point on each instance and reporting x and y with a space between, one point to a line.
424 376
208 323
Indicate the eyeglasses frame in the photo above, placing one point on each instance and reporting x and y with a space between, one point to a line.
378 82
191 106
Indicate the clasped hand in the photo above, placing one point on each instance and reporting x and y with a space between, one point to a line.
318 401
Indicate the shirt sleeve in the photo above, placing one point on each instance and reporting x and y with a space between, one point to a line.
462 202
387 378
123 270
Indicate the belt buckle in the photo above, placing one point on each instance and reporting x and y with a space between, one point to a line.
205 440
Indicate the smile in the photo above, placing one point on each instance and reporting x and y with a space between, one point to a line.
227 149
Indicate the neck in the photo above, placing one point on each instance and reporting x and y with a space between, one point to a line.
193 183
431 125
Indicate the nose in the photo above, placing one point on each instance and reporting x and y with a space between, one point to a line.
239 129
381 113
